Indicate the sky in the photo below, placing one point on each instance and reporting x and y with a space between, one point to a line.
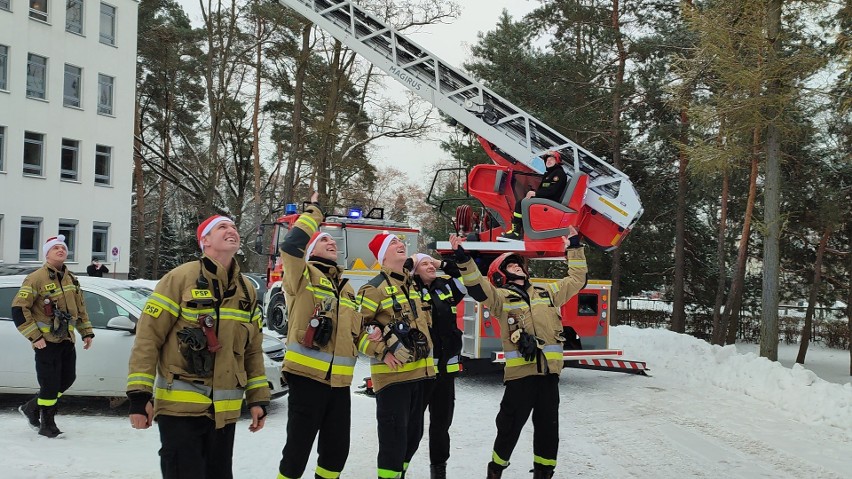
704 412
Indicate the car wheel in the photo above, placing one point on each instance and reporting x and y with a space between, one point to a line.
276 314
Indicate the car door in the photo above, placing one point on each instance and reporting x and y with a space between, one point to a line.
102 369
17 359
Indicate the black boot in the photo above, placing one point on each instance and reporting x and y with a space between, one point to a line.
495 471
516 233
542 473
439 471
48 425
30 411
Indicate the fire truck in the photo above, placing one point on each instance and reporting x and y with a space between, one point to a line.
600 200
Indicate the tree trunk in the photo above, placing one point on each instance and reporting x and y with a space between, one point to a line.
141 262
616 144
298 107
849 299
161 206
323 166
732 306
255 144
812 299
772 195
721 255
679 306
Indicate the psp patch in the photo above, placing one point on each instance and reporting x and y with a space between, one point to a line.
152 310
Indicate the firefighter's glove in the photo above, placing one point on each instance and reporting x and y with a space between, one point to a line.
574 242
419 344
193 346
398 342
451 268
460 255
409 265
322 335
399 351
527 346
59 327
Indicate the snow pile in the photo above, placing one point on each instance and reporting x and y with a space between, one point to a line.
795 390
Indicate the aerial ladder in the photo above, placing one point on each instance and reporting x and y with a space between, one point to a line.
600 201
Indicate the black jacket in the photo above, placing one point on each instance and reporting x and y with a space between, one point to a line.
553 184
444 295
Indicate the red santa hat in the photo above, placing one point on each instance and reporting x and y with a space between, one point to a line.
53 241
313 242
379 245
207 225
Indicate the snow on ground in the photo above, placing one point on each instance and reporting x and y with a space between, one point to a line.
705 412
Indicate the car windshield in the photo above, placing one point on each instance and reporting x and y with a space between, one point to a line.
135 294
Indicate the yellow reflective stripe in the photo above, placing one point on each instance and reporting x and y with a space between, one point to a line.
47 402
224 405
369 304
308 221
388 474
543 461
471 277
577 262
443 296
553 355
26 289
29 329
453 368
498 460
348 303
326 474
382 368
181 396
515 362
555 287
141 379
363 343
511 306
166 303
304 360
342 370
282 476
541 301
256 382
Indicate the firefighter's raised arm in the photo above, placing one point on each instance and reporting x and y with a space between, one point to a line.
478 287
293 247
575 280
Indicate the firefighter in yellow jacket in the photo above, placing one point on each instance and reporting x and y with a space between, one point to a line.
531 334
396 338
322 335
198 353
47 310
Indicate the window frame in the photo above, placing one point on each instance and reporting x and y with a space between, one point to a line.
100 228
108 39
39 15
6 5
104 108
41 143
69 227
2 148
69 4
65 97
64 173
103 179
31 92
4 67
32 255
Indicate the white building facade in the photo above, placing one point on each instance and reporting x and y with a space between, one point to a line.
67 88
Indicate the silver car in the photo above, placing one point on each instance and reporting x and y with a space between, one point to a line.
114 306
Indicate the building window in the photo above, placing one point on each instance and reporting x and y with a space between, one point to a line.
69 158
2 148
4 67
30 238
71 93
38 10
33 153
107 24
69 229
36 76
103 158
74 16
6 5
105 91
100 239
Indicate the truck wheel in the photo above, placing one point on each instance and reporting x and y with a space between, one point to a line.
277 314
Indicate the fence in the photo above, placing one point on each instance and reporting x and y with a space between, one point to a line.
830 325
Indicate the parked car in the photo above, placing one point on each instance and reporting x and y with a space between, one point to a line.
114 306
17 269
259 283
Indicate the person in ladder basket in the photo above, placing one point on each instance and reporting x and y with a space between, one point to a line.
396 338
552 187
531 334
47 309
321 349
198 352
443 296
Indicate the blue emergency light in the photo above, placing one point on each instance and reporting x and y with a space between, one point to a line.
291 209
354 213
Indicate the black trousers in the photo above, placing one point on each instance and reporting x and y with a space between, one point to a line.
314 407
539 395
399 412
440 397
56 366
192 448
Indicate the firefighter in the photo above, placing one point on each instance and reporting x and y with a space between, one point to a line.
552 187
198 353
396 338
442 296
321 348
531 334
47 310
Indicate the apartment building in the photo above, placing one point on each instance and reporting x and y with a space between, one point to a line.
67 85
